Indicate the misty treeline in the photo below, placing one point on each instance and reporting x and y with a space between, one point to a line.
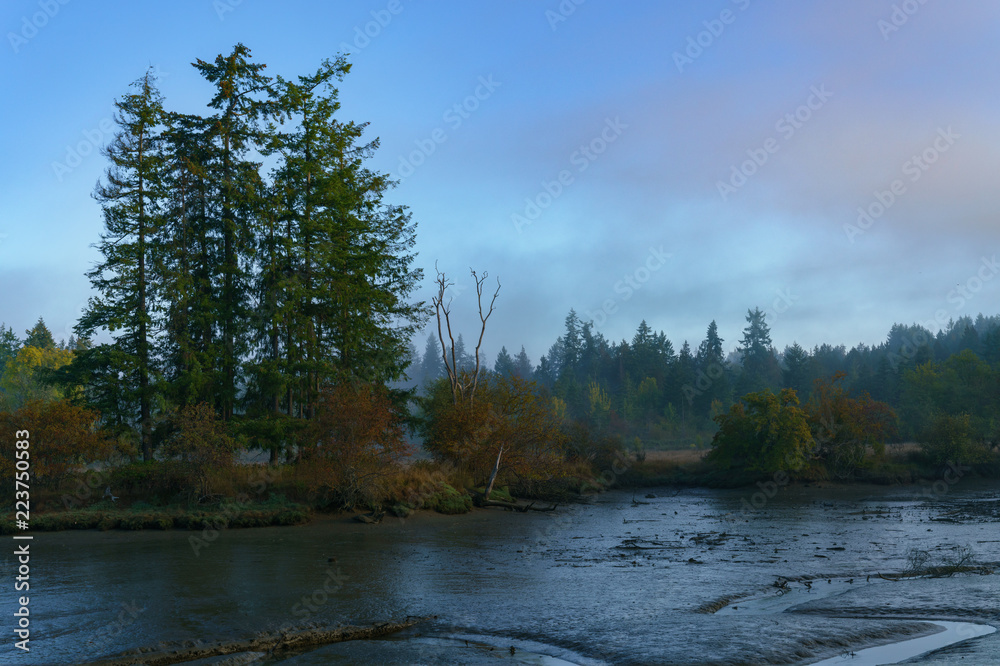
653 394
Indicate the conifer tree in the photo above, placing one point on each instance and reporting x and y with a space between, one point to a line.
241 99
126 300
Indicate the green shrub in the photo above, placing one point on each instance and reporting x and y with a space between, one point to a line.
951 439
449 501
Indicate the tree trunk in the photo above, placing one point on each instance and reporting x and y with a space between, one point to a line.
493 477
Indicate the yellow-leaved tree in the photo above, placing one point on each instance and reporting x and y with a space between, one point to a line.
24 377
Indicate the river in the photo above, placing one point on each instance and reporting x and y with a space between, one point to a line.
680 577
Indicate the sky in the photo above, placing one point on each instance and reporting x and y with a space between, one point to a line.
833 163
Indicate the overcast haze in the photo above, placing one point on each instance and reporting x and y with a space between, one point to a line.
586 153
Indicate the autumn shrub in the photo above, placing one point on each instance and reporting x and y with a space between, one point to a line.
63 437
358 435
848 431
763 432
202 443
505 413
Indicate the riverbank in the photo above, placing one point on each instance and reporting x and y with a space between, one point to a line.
150 496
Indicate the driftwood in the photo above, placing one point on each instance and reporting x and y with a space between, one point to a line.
370 518
265 644
480 500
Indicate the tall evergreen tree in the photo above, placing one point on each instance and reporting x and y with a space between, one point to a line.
713 372
347 284
522 365
188 261
241 98
760 367
9 344
129 198
39 336
685 379
431 366
796 373
504 365
710 349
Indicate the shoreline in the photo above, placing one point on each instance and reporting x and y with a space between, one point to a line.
279 512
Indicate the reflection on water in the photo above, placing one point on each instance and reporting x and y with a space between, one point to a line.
616 580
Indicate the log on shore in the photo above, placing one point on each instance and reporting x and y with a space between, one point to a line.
479 500
268 643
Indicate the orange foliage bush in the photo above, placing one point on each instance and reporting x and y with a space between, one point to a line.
63 437
507 412
845 428
359 440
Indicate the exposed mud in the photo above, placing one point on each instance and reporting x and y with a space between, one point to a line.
680 578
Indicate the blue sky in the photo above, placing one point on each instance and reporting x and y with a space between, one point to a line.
673 161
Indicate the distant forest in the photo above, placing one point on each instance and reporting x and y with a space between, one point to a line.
647 389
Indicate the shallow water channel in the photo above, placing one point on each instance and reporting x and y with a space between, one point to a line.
680 578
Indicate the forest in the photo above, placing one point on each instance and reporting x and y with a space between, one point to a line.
255 294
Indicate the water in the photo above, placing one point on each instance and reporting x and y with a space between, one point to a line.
680 578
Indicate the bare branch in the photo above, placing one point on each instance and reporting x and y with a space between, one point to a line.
443 311
482 318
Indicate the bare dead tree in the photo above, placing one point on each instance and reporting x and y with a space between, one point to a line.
463 385
482 331
442 310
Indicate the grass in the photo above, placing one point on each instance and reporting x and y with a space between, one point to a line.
105 515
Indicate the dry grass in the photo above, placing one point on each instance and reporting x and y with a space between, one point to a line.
679 457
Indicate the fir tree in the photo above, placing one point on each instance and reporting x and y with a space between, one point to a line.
129 198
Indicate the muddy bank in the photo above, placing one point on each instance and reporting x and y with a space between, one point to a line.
269 646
